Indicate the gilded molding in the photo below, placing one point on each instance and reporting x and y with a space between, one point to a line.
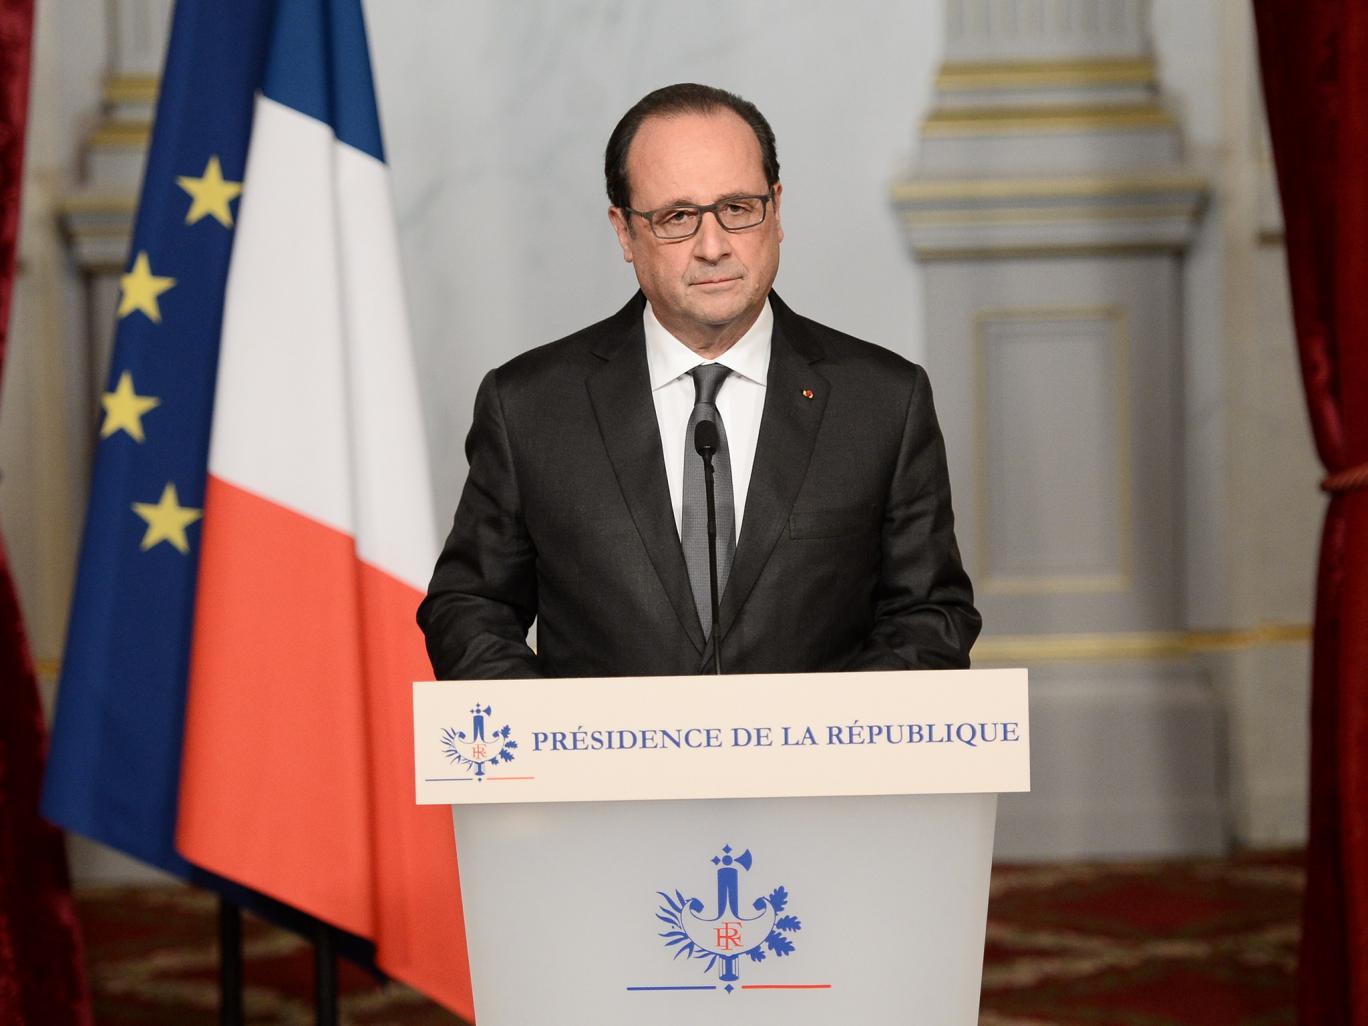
132 89
956 76
949 189
1049 118
1045 214
930 254
1095 215
1144 646
110 204
121 135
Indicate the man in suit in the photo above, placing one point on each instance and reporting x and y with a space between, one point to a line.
584 504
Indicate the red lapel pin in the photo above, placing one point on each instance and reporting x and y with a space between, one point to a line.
807 393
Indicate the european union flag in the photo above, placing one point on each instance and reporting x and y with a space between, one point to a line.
114 766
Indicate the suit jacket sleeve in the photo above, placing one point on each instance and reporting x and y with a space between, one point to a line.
483 594
924 608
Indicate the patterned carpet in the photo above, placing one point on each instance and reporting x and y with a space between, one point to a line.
1201 943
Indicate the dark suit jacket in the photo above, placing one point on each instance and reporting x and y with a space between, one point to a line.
846 557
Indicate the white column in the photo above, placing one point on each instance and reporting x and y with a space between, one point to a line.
1051 209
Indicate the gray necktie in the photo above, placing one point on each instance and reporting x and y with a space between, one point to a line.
694 522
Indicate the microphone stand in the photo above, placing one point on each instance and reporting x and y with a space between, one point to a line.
705 442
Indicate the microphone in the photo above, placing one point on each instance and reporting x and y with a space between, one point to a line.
706 443
706 440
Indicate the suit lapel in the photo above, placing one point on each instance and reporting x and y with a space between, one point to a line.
788 431
620 392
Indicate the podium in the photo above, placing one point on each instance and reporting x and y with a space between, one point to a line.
758 849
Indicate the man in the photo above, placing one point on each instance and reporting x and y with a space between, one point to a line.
584 505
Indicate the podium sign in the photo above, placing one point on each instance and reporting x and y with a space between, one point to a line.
759 849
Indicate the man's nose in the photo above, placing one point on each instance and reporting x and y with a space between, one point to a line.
712 242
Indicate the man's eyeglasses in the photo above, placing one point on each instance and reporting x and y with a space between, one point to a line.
735 214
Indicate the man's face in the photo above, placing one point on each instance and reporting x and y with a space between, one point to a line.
708 289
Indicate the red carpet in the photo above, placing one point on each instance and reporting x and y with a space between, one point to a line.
1199 943
1143 944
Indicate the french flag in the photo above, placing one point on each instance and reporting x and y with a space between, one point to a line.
318 538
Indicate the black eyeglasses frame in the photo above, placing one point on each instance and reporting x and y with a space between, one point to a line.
765 200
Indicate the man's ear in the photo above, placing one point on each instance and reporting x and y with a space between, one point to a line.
778 194
623 227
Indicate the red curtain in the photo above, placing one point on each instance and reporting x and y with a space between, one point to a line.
1314 57
41 975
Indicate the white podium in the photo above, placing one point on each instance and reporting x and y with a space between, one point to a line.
763 849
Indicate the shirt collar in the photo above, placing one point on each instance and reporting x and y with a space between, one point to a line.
668 359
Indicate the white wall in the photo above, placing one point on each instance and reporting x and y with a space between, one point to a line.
496 116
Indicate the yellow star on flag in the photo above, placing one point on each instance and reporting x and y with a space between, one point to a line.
141 288
124 409
211 194
167 520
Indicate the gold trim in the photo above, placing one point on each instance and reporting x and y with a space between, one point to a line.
121 135
48 669
1053 118
1045 214
132 89
1037 252
98 203
1057 584
1017 188
1120 579
102 231
976 75
1048 648
1263 634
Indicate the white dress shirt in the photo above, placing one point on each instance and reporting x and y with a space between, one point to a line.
740 401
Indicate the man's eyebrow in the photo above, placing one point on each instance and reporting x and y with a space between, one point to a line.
684 202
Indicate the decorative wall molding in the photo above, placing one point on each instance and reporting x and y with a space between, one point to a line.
1035 649
98 227
1091 345
1079 117
1024 76
980 218
97 218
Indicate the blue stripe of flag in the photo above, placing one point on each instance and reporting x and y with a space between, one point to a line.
320 66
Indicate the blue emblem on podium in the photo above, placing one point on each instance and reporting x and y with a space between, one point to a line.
730 932
483 746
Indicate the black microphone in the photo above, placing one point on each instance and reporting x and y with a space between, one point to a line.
706 443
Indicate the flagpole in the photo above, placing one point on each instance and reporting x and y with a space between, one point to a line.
230 963
325 976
